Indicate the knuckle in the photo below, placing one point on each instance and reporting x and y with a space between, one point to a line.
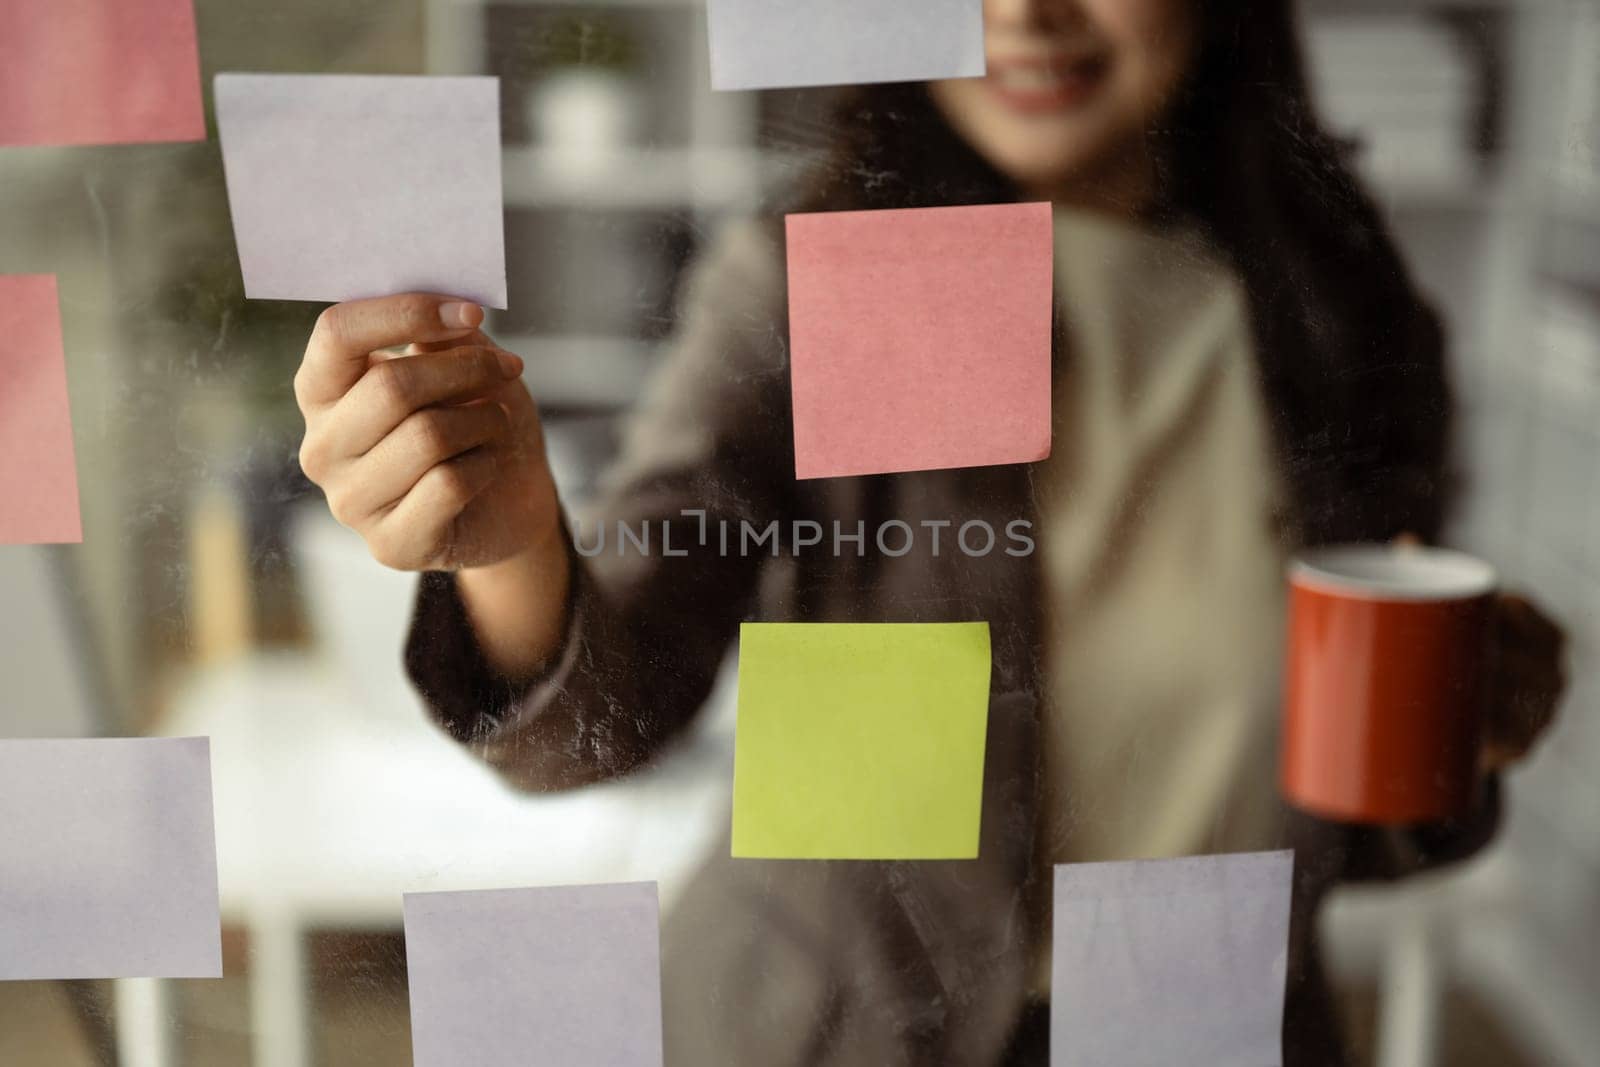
452 486
430 435
383 547
300 387
330 325
499 420
395 385
313 460
339 505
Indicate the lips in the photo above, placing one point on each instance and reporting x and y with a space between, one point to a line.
1042 86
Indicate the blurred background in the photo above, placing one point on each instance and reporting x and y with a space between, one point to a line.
212 594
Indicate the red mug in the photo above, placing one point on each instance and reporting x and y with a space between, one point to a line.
1386 682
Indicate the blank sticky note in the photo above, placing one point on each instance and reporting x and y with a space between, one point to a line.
774 44
351 186
568 976
1157 962
38 471
920 338
108 860
78 72
860 740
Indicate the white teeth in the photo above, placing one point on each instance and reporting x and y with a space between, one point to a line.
1029 79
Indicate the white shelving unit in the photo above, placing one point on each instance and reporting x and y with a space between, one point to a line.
713 179
587 372
716 172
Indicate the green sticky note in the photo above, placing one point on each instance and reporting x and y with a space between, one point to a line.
860 740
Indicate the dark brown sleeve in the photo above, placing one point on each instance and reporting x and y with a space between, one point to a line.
631 672
448 668
645 632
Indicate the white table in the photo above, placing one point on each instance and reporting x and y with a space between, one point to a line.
327 812
328 809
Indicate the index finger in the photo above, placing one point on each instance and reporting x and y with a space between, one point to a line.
476 339
346 334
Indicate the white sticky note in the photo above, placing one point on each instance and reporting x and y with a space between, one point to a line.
108 859
568 976
775 44
1156 962
351 186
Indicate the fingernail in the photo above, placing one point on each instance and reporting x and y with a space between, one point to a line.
510 366
460 315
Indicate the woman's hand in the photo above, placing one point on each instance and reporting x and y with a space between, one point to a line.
1527 680
436 457
1527 675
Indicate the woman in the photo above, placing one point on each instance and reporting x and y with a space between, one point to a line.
1242 368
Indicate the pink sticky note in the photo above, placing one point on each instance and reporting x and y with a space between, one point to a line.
38 475
920 339
99 72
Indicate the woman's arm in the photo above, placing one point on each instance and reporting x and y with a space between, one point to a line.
559 698
518 607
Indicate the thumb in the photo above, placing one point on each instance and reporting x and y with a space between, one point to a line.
346 334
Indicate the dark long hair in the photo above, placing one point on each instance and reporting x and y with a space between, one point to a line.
1351 359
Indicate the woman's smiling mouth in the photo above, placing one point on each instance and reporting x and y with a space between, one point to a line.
1037 86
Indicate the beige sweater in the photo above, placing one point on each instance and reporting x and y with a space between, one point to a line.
1163 570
